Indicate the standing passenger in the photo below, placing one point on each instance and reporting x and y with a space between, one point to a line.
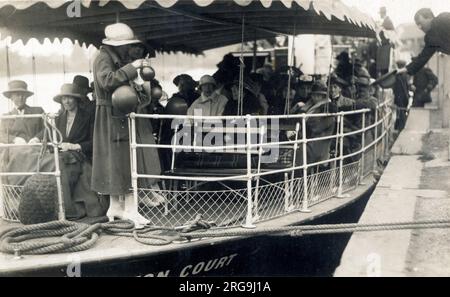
116 65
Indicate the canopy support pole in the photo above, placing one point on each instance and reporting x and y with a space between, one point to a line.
33 63
8 65
241 71
255 49
287 106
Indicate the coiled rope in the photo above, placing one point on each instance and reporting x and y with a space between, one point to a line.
69 237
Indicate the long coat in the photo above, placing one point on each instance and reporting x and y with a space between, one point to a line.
111 150
79 200
424 81
25 128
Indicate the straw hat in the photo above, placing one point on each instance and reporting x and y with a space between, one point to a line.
119 34
17 86
207 79
71 90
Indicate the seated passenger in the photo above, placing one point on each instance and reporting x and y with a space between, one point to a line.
259 82
278 103
336 85
186 88
76 126
351 122
360 70
210 103
250 104
364 98
20 130
318 150
302 92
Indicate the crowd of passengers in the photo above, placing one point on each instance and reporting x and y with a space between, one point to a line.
264 93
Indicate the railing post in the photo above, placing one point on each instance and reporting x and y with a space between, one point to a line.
61 209
174 150
305 169
249 217
341 156
294 161
262 133
133 162
363 148
375 153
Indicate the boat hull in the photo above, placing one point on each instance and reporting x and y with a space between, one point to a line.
313 255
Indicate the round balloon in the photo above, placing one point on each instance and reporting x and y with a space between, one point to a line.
125 99
147 73
177 106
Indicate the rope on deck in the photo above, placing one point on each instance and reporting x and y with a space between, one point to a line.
67 237
322 229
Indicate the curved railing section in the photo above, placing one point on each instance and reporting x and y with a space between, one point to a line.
256 191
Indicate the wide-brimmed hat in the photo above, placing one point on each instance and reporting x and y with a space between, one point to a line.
119 34
83 83
207 79
319 88
71 90
17 86
185 77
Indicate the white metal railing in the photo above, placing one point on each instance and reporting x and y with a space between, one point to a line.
10 195
261 199
301 190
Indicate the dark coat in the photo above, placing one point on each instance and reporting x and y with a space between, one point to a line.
424 81
79 201
82 131
189 98
319 150
401 90
437 39
25 128
111 150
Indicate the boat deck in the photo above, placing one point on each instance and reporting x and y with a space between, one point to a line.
114 248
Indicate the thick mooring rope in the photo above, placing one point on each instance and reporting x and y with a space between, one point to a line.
68 237
322 229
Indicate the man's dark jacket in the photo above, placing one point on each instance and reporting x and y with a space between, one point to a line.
436 39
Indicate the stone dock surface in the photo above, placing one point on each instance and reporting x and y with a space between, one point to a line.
415 186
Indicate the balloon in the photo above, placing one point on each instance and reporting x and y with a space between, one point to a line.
176 105
125 99
147 73
156 93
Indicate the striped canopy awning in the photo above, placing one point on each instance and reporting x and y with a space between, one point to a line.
190 26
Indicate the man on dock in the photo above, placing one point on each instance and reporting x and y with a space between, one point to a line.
437 38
